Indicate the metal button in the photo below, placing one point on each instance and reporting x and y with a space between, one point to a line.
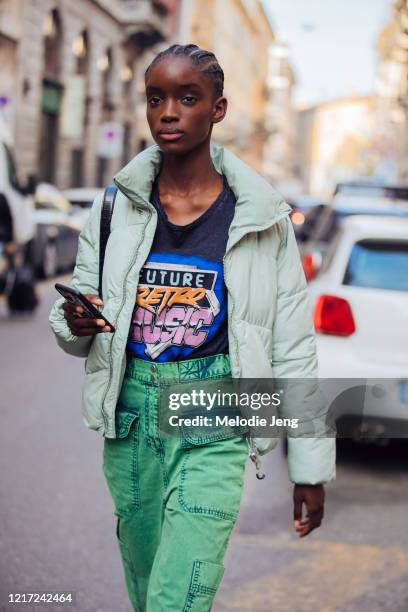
152 378
153 368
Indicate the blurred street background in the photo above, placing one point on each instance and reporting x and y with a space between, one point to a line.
318 105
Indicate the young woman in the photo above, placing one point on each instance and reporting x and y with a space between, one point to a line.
203 280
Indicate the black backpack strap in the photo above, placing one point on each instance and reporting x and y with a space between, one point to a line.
106 215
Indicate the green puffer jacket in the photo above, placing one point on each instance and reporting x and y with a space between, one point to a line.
269 320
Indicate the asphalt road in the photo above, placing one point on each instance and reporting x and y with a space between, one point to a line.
57 528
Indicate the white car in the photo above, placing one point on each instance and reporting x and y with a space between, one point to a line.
82 199
57 231
18 198
360 310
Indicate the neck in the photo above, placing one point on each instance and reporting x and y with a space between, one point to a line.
189 173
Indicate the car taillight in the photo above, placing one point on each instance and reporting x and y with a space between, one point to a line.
311 262
309 267
332 315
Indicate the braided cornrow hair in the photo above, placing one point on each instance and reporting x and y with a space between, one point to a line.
205 60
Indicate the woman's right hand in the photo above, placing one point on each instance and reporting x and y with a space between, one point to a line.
84 326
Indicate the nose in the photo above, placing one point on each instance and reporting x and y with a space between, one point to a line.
169 111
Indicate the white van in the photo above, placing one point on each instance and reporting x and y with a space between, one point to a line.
19 198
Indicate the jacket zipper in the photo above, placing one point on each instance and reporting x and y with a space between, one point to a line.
253 450
255 458
104 415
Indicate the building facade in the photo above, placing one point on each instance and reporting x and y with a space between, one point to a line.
68 82
279 117
334 143
391 137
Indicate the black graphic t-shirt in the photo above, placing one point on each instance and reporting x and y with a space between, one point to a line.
181 302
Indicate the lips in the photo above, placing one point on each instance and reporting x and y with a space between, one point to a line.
170 135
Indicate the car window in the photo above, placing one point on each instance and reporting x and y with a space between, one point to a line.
83 203
378 264
397 193
361 190
326 226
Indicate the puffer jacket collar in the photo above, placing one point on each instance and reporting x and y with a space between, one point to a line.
258 205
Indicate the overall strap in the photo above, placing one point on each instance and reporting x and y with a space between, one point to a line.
106 215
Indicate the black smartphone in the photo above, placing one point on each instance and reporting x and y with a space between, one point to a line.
76 297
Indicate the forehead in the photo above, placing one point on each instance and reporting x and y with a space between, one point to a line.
175 71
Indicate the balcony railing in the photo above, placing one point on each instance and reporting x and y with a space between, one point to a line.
142 20
10 19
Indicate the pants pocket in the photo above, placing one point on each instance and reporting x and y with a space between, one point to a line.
201 435
121 465
205 580
211 478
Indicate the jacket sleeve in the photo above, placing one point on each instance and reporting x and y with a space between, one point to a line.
311 460
86 279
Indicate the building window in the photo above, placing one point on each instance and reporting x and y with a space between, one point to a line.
80 48
102 168
77 168
127 132
52 32
126 76
105 65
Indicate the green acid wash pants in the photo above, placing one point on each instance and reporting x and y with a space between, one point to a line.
176 496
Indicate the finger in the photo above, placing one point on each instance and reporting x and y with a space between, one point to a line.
300 524
82 323
301 527
313 521
304 529
81 327
68 307
87 331
94 299
304 532
297 508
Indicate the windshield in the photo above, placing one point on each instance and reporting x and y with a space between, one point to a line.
373 191
331 219
378 264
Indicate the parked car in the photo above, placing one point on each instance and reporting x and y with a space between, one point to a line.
306 211
360 310
57 232
82 199
331 219
369 189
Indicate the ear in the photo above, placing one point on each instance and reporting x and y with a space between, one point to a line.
219 109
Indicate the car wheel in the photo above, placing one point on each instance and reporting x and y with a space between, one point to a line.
49 264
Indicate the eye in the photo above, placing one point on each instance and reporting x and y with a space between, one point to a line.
189 99
154 101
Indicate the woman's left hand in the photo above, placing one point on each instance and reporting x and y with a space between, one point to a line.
313 498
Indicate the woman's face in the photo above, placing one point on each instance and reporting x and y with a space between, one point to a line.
181 105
